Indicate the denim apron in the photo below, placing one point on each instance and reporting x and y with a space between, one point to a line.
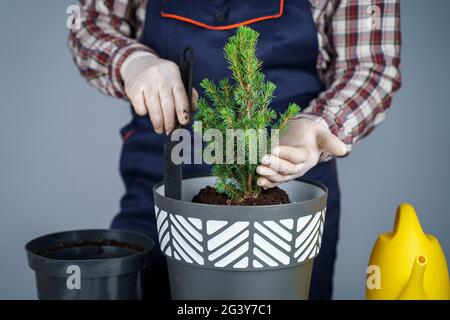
287 46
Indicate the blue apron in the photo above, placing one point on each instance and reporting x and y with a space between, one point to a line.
288 48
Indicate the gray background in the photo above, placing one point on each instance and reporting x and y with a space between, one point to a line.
60 145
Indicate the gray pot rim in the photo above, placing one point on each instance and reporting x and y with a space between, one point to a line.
233 207
42 264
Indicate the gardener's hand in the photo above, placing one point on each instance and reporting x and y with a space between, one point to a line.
154 87
299 150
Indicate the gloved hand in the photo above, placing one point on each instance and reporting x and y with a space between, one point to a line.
154 86
299 150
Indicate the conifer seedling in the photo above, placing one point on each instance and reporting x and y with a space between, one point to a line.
241 103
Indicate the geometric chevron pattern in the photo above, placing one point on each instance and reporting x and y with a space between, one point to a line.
228 243
309 230
240 244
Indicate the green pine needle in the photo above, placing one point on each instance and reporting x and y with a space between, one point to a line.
240 103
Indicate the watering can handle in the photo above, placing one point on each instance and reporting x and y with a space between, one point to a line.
172 171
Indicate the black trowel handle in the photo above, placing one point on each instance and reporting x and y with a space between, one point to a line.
172 171
186 65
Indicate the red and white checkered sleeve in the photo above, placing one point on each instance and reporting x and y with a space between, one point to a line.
365 37
106 38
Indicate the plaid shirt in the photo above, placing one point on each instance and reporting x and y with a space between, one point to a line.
358 61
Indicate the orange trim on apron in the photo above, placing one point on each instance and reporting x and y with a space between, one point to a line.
227 27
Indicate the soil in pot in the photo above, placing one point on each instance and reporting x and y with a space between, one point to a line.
272 196
91 249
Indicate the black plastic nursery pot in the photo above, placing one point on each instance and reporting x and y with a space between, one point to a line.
90 264
240 252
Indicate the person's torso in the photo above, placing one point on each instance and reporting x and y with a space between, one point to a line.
288 47
287 44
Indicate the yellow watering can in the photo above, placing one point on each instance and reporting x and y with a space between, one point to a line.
407 263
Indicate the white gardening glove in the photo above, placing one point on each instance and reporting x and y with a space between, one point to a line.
154 87
299 150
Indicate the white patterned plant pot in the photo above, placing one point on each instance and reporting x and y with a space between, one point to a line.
240 252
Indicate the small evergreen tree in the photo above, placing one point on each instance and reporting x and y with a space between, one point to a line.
240 104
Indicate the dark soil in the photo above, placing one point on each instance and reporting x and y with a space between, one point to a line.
90 243
271 196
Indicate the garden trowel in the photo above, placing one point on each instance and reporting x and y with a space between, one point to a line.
172 171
